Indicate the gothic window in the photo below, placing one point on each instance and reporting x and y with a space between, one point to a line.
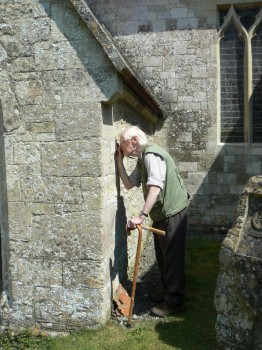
240 36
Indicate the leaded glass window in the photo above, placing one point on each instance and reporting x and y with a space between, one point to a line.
240 36
257 86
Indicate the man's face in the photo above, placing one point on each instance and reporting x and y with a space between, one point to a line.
129 147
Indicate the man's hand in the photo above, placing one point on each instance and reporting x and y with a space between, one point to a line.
132 223
118 152
119 156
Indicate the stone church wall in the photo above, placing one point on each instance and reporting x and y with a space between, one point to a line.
174 47
59 251
63 209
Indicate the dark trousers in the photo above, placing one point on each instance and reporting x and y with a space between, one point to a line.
170 255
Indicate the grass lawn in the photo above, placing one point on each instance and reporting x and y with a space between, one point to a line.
193 330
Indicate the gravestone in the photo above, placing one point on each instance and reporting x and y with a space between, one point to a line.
238 296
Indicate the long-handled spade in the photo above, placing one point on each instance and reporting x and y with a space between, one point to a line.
138 251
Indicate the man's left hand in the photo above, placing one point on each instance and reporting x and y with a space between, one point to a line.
132 223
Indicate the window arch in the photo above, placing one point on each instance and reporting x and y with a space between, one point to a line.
240 38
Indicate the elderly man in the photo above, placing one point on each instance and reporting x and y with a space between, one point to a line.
166 202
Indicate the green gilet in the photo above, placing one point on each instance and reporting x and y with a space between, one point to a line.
173 198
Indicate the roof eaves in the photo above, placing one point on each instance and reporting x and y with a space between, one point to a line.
120 63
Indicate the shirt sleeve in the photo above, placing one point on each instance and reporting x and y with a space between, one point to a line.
156 170
135 176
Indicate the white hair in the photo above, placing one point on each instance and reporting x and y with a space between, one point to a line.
132 131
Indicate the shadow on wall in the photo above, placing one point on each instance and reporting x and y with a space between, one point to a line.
120 252
144 17
85 45
1 198
219 191
3 211
214 180
257 106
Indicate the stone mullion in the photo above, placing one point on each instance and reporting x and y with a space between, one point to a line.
251 34
247 89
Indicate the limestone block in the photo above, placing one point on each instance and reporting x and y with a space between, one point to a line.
24 8
38 113
26 153
65 236
77 121
185 137
159 25
10 113
66 20
22 64
14 48
60 308
57 55
237 150
18 218
195 180
71 121
39 272
211 188
19 313
51 87
75 158
13 183
42 209
45 127
29 89
254 168
234 189
188 166
3 54
255 150
90 274
22 294
187 23
179 12
226 178
92 192
238 297
33 30
153 61
41 10
51 190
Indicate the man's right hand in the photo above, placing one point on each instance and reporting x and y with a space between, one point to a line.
118 152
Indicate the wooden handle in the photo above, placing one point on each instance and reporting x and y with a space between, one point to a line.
138 252
155 230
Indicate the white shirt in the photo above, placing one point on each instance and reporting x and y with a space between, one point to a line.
156 170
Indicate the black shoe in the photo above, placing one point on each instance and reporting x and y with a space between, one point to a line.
164 310
157 296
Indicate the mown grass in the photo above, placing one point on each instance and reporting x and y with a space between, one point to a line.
193 330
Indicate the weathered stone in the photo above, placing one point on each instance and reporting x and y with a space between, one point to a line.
40 272
65 236
3 54
18 217
51 190
13 183
75 158
87 273
238 296
63 84
71 307
42 127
